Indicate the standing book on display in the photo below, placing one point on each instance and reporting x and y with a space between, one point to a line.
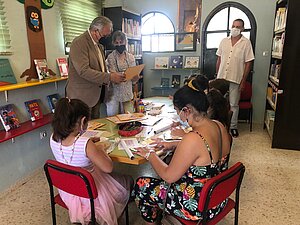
6 73
62 64
8 117
52 100
161 63
42 69
34 109
176 61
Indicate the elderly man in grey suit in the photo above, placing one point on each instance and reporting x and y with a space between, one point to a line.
88 75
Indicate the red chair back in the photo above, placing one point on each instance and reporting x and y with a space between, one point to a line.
220 187
71 179
246 93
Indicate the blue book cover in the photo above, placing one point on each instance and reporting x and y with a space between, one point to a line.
176 61
8 117
34 109
52 100
6 73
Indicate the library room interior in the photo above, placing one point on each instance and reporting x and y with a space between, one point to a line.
149 112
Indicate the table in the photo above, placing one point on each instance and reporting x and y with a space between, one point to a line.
118 155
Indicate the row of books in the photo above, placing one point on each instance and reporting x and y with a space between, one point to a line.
275 70
131 27
176 62
135 48
280 19
278 43
7 76
10 120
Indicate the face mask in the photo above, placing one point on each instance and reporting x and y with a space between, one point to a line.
235 32
120 48
183 123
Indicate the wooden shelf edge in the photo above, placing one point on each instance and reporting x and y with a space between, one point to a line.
25 128
30 84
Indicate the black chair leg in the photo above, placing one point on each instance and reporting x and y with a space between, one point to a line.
126 215
251 112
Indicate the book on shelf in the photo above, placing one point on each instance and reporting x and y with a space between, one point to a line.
6 73
62 64
280 19
8 117
161 63
191 62
176 61
34 109
176 81
164 82
52 100
42 69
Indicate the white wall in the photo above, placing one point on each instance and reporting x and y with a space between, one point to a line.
28 152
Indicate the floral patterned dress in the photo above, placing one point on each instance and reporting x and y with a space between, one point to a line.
179 198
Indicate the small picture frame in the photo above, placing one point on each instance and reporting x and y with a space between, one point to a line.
164 82
191 62
161 63
176 81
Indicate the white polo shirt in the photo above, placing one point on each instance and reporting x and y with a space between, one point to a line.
233 59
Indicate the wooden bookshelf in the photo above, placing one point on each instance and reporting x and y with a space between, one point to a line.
25 128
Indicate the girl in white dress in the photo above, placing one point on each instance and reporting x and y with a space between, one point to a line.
69 147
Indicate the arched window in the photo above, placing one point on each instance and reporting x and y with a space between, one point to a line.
157 33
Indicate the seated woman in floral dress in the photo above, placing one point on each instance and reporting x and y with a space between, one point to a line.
197 158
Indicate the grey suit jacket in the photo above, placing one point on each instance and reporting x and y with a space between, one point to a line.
85 74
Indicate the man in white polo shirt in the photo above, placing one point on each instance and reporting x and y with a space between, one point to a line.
235 57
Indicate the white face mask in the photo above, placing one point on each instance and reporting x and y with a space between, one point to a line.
235 32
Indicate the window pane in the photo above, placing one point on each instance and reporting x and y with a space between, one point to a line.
236 13
154 43
213 40
219 21
166 42
148 26
162 24
146 46
246 34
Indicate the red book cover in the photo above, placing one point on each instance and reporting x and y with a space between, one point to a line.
62 64
34 109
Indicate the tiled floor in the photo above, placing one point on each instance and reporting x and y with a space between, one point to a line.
270 192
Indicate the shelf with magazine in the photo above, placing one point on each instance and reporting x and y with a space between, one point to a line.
282 120
25 127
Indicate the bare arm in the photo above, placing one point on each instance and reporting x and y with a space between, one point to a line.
185 155
99 157
218 64
246 73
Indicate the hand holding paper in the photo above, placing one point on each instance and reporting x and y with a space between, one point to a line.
133 71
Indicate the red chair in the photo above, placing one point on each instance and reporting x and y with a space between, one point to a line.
215 191
73 180
245 102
